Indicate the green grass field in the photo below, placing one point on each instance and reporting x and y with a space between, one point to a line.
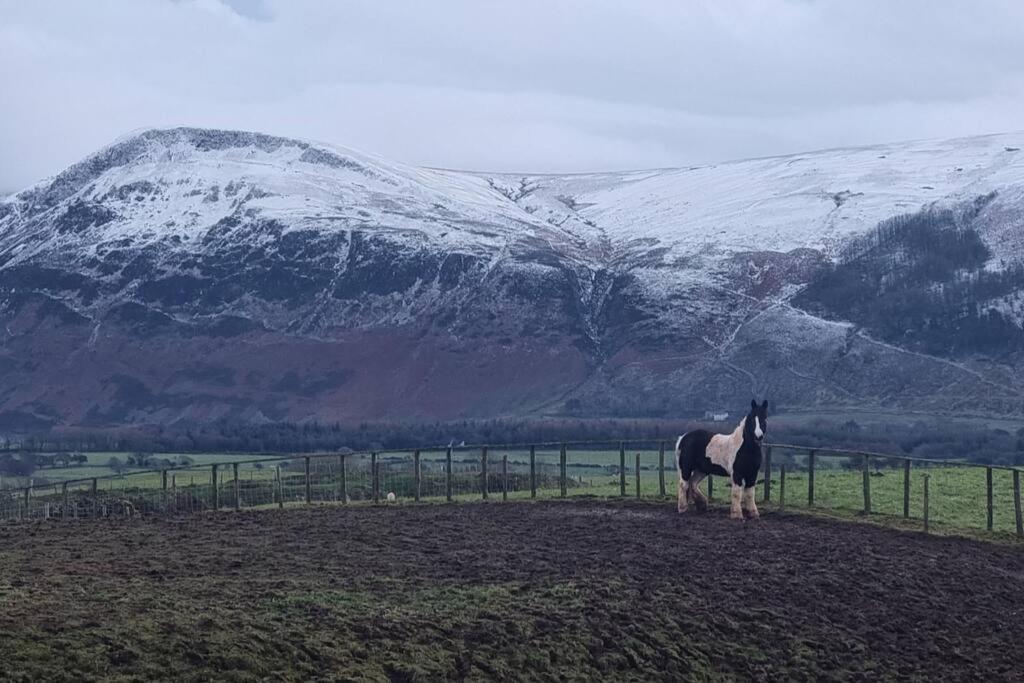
96 466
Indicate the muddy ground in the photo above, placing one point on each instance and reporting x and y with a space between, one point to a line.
550 591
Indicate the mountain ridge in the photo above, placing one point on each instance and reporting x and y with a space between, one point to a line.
468 294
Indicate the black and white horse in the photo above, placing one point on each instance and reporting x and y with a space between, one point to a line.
737 456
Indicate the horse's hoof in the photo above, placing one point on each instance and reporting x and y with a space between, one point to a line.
681 510
751 515
736 515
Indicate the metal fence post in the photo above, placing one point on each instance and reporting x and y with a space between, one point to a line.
622 469
767 473
448 476
238 487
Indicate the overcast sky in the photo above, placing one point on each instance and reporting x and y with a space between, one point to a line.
522 85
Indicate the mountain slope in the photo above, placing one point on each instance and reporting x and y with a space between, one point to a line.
186 274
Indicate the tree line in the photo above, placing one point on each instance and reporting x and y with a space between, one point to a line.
162 448
920 280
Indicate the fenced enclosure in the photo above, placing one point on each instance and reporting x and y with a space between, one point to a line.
933 493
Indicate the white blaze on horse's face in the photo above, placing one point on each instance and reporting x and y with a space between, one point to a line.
758 432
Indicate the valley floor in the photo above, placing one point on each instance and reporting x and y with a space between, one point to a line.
556 590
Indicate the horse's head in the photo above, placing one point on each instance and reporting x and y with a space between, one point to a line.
757 421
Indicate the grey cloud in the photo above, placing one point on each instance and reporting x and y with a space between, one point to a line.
527 85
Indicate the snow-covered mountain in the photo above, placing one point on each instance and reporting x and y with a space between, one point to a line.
184 274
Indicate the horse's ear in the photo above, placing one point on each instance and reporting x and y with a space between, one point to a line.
753 404
764 405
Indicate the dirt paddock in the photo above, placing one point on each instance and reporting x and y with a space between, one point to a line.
551 591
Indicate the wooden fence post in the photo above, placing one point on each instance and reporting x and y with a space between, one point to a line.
215 493
782 487
622 469
638 476
343 483
533 472
1016 503
174 492
163 480
416 475
238 489
309 483
990 508
504 477
448 475
661 469
374 479
906 489
810 478
95 498
483 472
866 468
926 478
28 501
767 473
279 486
67 501
711 481
561 471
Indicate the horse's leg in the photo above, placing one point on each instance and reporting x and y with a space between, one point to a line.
749 506
737 492
699 499
684 494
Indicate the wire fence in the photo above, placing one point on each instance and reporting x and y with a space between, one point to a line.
933 493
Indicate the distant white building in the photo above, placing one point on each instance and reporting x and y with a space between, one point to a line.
715 416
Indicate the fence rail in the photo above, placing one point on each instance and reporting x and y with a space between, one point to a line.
960 495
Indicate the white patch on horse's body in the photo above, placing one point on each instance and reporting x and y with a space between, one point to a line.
722 448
